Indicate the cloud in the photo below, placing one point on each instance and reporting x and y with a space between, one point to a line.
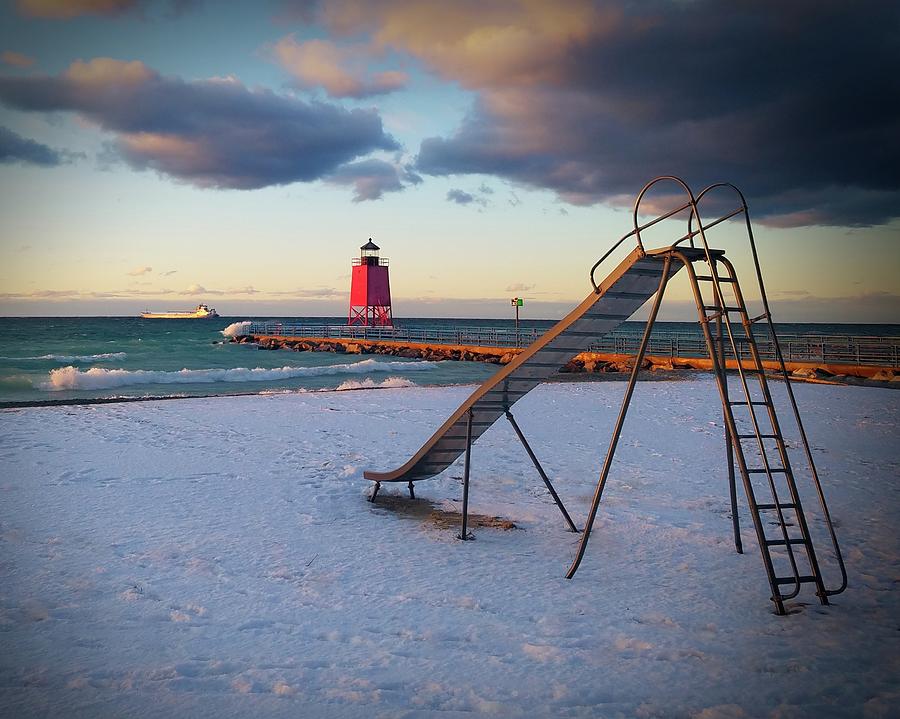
460 197
17 149
519 287
790 101
168 274
195 289
137 272
69 9
372 178
315 293
79 294
16 59
132 292
340 70
209 133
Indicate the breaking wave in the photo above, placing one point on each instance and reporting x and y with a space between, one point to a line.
369 383
104 357
237 329
66 378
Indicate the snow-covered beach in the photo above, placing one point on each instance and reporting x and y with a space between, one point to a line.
217 557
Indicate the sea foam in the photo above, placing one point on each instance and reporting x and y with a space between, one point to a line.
67 378
369 383
78 359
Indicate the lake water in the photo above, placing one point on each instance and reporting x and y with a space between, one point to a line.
82 358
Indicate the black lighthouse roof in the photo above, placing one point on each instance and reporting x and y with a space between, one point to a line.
370 246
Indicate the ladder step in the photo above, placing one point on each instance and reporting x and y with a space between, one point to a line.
762 436
772 506
772 470
709 278
721 309
762 403
781 542
791 580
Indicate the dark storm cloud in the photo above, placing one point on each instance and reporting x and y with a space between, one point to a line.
210 133
797 103
15 148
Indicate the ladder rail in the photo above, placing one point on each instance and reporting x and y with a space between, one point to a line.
729 448
767 315
636 233
719 299
777 596
778 436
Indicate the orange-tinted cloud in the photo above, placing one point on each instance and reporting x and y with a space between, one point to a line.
341 70
70 9
67 9
476 42
16 59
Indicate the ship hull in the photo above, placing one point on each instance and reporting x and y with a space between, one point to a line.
202 312
175 316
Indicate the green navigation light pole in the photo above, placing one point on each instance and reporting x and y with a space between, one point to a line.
517 302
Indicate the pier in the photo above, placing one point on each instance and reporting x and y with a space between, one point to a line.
805 355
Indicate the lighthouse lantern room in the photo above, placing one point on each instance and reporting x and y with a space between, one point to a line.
370 289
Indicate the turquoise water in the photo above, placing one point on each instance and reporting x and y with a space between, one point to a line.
82 358
74 358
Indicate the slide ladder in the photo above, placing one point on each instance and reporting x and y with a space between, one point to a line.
753 435
754 439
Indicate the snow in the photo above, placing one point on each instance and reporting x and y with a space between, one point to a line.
218 558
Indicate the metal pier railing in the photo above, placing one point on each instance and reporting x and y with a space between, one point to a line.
825 349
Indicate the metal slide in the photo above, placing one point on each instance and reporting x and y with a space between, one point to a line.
618 297
753 435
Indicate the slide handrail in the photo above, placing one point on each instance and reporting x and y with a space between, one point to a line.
767 316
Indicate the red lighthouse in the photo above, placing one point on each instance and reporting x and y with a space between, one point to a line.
370 290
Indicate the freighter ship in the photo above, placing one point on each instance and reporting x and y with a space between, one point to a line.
202 312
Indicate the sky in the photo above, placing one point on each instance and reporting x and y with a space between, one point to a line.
162 154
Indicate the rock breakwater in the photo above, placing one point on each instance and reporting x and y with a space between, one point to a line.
586 362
